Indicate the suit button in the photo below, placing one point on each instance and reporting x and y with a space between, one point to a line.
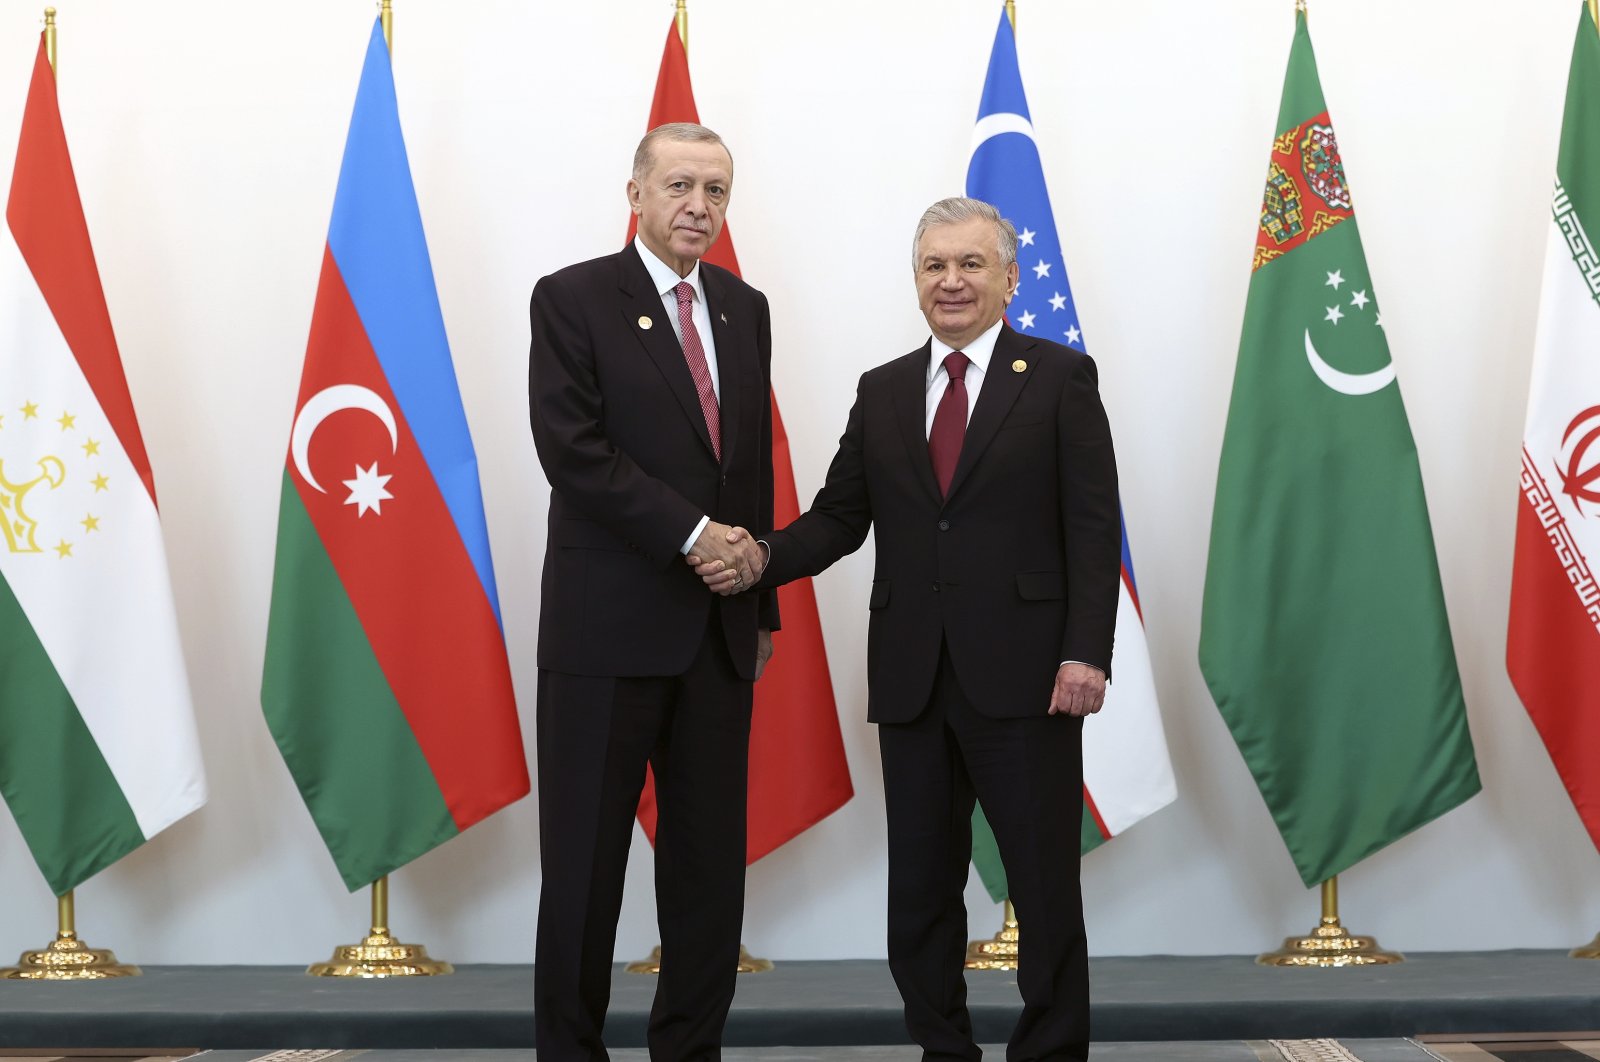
936 586
944 525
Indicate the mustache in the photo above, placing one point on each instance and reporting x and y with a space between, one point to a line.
702 227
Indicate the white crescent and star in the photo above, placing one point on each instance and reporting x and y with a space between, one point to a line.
326 402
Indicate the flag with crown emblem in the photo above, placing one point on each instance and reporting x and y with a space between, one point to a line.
1127 772
98 750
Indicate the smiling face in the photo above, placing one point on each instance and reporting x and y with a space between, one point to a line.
680 201
961 284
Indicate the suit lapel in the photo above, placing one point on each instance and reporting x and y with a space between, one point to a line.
1001 386
731 357
642 303
909 385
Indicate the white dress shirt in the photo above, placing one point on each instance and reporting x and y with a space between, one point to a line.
978 352
666 279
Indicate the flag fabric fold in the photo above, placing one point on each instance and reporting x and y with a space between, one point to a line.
386 683
1553 642
1127 771
1324 638
798 771
98 750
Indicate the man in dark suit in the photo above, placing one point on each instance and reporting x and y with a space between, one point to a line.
993 605
649 380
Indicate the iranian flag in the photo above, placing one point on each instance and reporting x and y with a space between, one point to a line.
798 772
386 682
1553 647
97 741
1323 635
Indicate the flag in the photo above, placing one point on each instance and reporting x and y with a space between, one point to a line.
386 683
1323 633
798 772
1127 773
97 742
1553 647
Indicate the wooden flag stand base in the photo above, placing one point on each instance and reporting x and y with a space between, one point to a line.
380 955
67 958
747 963
1590 950
1330 944
1000 951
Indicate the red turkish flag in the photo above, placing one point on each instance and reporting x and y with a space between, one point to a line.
798 773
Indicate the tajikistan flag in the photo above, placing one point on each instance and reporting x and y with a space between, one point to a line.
97 741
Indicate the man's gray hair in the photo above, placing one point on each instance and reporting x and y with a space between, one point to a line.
645 156
954 211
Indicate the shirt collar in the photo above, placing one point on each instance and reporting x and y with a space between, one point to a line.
978 352
664 277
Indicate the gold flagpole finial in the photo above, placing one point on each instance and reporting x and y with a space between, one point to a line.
1300 6
1594 12
683 24
50 36
1011 13
386 16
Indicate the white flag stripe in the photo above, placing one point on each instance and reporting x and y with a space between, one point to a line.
104 614
1126 767
1566 373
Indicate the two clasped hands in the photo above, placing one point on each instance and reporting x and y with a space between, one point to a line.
729 562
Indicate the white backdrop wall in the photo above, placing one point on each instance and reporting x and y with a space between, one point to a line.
207 140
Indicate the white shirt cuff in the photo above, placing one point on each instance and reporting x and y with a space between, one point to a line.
688 543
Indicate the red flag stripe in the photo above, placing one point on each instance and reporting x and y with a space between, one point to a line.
46 218
426 629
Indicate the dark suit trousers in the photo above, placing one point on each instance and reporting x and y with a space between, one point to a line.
595 735
1028 774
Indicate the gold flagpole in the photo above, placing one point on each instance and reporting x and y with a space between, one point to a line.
67 958
379 954
1330 944
999 952
652 965
50 36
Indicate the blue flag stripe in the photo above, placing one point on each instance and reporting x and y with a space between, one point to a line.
376 238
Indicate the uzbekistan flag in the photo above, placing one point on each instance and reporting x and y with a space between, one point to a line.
97 741
798 772
1553 646
386 683
1127 773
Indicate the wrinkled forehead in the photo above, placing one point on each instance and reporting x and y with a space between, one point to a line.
697 157
946 242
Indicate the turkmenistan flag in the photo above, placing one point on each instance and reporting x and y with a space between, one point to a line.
97 741
1553 643
386 682
1323 632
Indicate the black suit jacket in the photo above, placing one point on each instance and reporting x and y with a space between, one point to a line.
624 444
1016 571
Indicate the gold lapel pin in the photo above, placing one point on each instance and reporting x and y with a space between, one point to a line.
645 323
1019 366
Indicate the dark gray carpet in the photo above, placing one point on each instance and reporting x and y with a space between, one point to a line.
810 1003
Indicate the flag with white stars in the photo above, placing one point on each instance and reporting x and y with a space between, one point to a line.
1127 773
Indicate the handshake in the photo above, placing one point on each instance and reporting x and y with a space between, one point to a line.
727 559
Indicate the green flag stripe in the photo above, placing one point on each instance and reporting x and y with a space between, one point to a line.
67 804
1578 165
355 759
986 851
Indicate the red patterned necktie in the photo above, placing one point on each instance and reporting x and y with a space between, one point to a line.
949 422
695 354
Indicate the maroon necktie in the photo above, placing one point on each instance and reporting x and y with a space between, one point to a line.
695 355
949 422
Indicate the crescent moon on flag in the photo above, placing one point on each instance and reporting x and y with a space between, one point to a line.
1348 383
992 125
326 402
